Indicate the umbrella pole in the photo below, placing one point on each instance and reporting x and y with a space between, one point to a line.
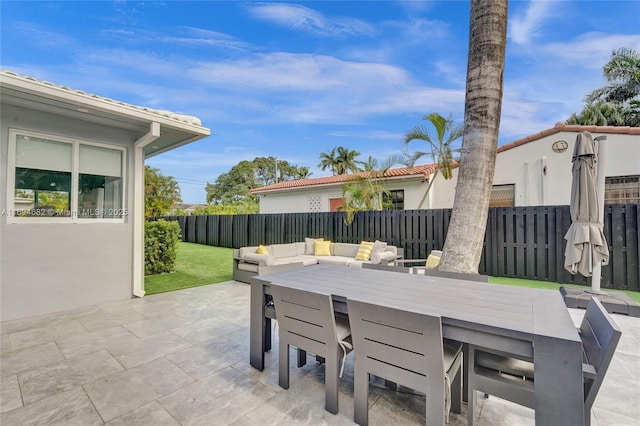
600 175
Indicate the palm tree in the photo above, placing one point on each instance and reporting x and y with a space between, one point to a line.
364 193
600 113
346 161
440 146
483 104
328 160
623 73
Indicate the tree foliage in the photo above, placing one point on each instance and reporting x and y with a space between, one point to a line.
161 192
234 187
364 193
440 146
618 103
340 161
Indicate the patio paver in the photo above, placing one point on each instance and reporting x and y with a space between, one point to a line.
182 358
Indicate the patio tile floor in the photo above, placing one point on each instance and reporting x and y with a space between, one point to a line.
181 358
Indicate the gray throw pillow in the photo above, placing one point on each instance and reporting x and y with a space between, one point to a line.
310 245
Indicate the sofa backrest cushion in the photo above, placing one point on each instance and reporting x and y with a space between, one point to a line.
300 248
345 249
283 250
244 250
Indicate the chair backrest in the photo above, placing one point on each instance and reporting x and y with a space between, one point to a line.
305 320
455 275
383 267
600 336
404 347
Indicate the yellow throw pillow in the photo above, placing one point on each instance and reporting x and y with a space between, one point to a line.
432 261
323 248
262 250
364 251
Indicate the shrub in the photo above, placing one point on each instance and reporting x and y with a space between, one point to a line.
160 245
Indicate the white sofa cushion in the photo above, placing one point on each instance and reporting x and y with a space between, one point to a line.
377 258
300 247
283 250
335 260
345 250
305 259
267 258
244 250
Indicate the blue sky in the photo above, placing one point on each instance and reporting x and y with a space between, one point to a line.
293 80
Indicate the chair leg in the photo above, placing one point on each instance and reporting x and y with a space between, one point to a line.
471 393
267 334
283 364
456 392
331 371
360 394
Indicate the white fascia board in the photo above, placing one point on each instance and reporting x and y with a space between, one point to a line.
96 103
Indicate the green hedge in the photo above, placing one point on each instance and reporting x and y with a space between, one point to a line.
160 244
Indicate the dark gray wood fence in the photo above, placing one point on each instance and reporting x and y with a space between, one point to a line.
520 242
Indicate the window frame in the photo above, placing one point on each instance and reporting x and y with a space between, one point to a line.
75 179
626 184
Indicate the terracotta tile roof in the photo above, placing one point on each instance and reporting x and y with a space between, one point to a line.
562 127
107 101
419 171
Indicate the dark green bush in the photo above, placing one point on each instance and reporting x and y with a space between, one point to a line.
160 245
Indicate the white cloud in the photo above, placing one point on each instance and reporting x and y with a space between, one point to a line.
304 19
525 27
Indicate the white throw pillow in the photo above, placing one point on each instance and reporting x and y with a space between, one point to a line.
378 247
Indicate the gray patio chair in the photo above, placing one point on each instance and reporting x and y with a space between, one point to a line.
406 348
308 322
512 379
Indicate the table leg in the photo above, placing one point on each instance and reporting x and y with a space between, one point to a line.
558 382
257 325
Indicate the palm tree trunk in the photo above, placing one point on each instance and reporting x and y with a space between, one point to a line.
483 104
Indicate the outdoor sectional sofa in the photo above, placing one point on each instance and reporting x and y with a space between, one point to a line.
247 263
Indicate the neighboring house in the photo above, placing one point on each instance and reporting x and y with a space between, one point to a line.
72 194
532 171
324 194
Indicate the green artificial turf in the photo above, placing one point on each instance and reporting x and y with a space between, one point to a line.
196 265
553 286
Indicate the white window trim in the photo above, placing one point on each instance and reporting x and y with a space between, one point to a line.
75 143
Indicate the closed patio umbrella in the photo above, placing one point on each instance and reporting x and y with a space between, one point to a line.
586 243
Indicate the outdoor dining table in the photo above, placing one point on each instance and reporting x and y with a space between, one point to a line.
525 322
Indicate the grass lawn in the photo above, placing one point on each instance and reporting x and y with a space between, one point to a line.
554 286
196 265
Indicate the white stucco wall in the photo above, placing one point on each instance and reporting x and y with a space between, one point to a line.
48 267
523 166
297 201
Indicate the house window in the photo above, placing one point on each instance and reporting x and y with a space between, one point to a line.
622 190
63 180
395 198
502 196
